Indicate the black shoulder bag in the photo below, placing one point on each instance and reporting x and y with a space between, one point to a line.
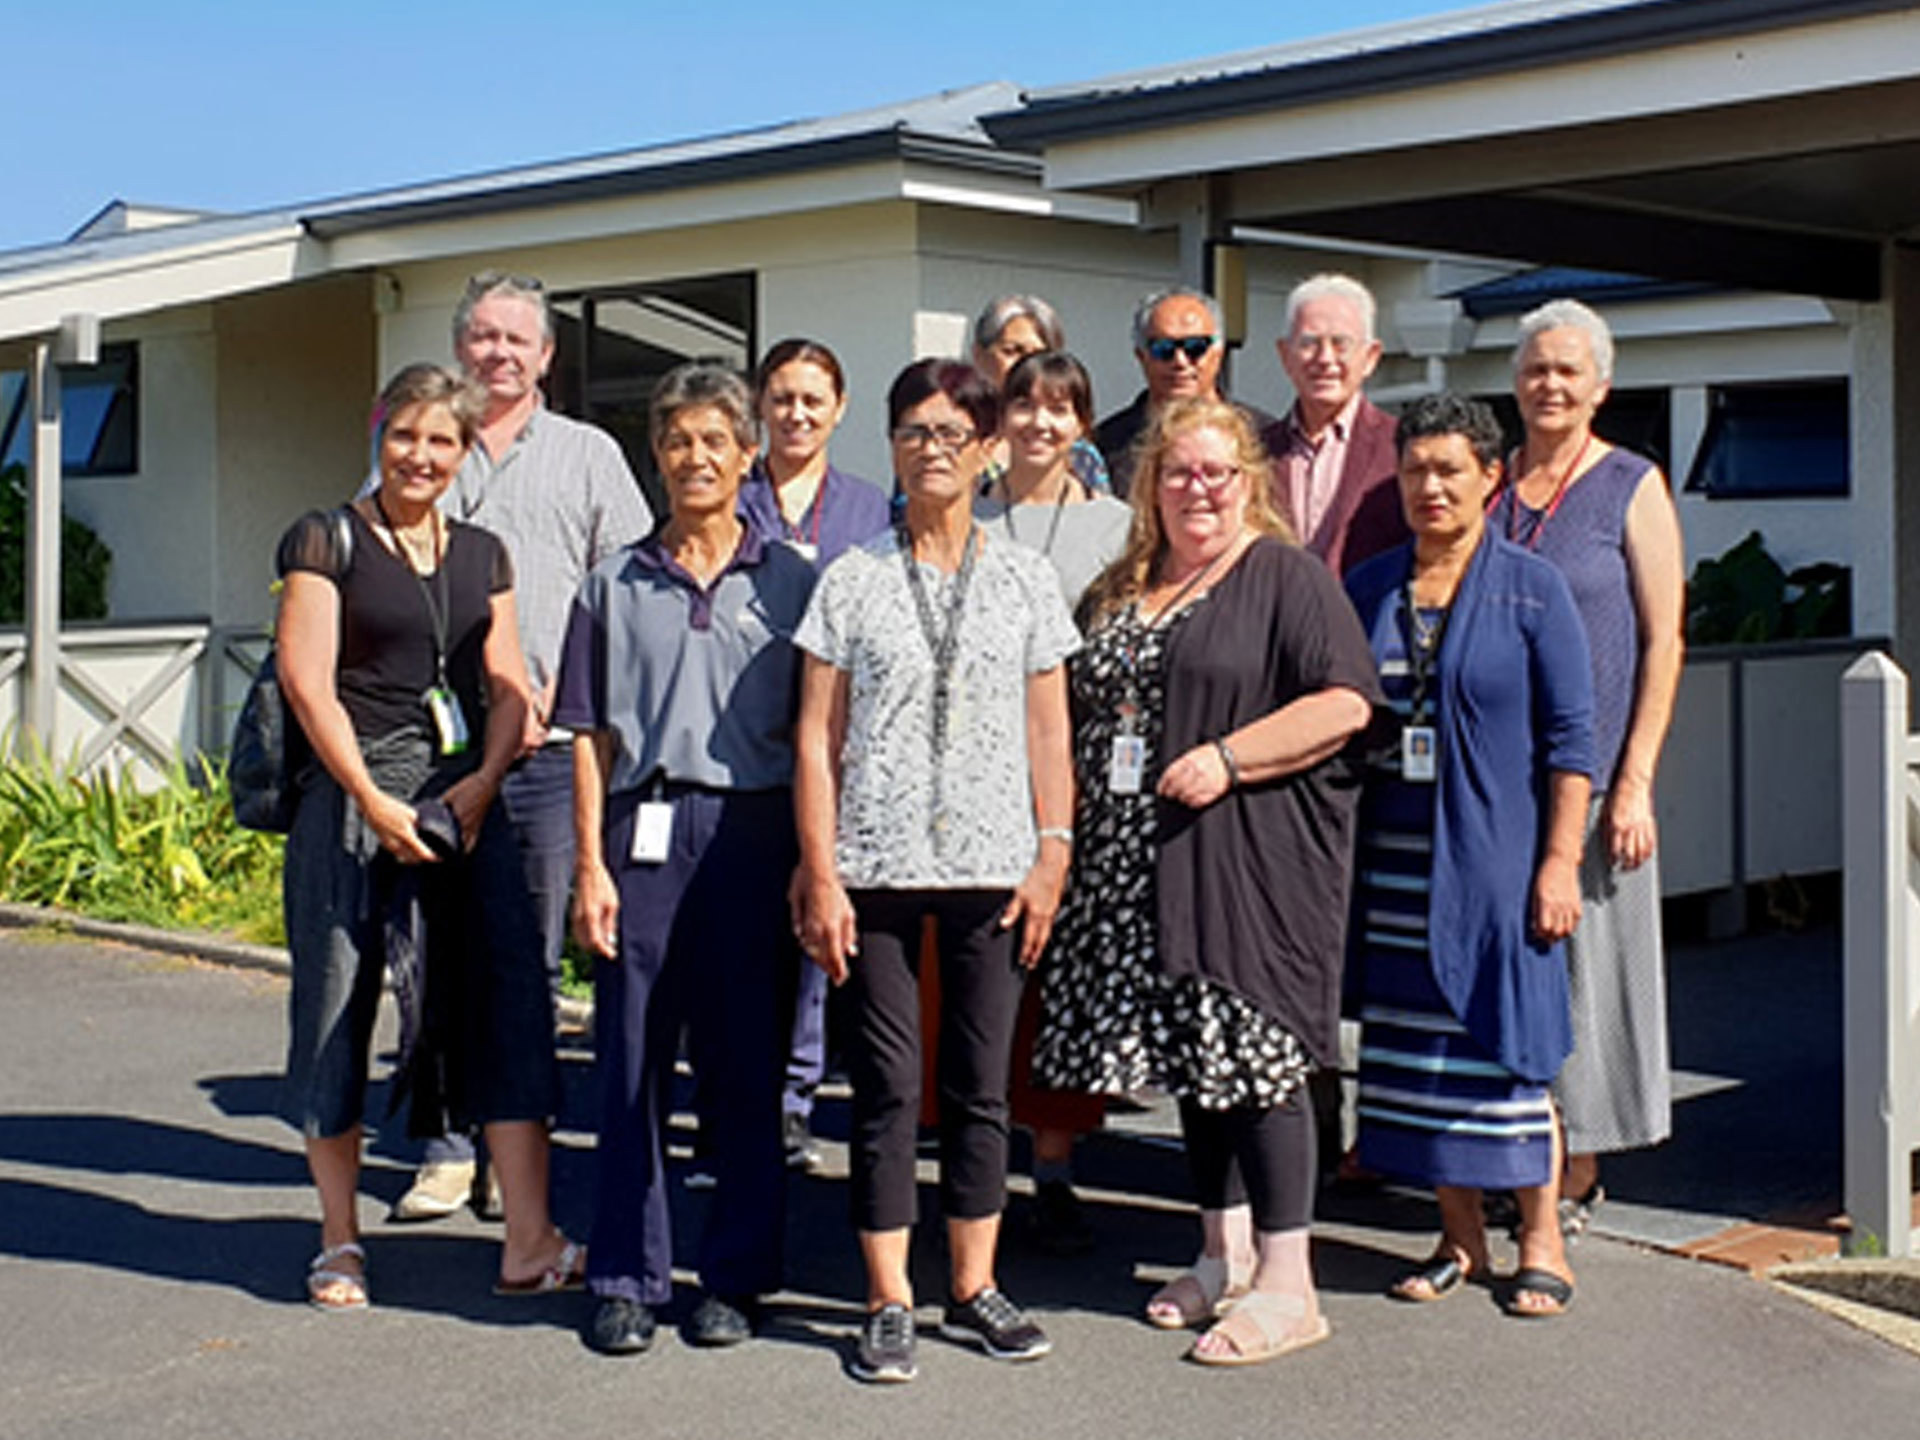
270 751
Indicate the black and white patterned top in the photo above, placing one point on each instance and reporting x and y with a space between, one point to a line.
972 826
1111 1021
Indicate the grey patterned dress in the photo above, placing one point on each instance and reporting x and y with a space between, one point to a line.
1111 1022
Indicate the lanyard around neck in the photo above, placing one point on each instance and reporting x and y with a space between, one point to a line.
1553 500
942 637
437 613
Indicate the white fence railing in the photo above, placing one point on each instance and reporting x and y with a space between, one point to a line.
133 697
1747 787
1880 798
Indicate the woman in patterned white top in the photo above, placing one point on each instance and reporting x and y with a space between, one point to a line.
933 778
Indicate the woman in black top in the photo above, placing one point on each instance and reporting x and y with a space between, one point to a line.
1200 946
399 653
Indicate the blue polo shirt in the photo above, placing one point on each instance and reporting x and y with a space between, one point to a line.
697 684
846 511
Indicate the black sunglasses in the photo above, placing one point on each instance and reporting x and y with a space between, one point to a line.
1194 347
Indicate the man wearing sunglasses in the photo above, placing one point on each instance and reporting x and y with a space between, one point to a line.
1179 340
1333 454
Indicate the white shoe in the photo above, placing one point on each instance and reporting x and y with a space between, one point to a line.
440 1187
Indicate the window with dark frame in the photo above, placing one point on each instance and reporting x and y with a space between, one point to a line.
99 415
1774 441
612 345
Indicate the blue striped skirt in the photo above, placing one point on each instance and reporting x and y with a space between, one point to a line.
1435 1107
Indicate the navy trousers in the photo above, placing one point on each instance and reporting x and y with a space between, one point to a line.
705 945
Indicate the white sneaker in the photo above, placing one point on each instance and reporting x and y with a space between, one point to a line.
440 1187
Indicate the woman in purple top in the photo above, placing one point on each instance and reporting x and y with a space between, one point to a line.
793 493
1604 516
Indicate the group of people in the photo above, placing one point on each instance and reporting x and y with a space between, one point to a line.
1108 756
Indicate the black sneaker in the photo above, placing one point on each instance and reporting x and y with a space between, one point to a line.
621 1327
718 1321
802 1150
997 1325
1058 1222
885 1353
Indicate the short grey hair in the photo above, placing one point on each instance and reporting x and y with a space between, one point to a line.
1330 285
1143 312
1564 314
1003 310
704 382
489 283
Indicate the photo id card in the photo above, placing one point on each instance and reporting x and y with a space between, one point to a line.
449 722
652 832
1417 759
1126 767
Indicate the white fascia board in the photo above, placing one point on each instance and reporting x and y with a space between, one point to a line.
735 201
663 210
1684 317
934 186
1837 55
32 301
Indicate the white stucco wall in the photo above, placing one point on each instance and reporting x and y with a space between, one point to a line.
251 410
158 521
847 277
296 383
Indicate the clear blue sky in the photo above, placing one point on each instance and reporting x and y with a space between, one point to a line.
228 106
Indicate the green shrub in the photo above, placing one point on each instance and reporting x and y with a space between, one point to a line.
1744 597
170 856
86 564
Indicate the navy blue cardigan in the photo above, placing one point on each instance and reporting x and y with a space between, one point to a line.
1515 703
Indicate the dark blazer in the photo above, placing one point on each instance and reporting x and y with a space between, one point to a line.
1366 518
1516 703
1113 437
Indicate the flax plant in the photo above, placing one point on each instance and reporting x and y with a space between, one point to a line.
168 855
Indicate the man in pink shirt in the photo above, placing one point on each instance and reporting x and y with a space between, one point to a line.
1333 452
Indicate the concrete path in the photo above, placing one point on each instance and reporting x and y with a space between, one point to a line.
155 1223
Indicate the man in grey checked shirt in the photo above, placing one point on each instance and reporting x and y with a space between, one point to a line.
561 496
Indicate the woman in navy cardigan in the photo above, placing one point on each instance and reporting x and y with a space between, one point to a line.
1469 852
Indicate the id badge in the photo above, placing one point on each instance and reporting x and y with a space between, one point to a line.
1127 765
1417 754
652 832
449 722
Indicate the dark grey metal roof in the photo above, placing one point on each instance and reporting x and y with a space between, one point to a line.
943 128
1488 40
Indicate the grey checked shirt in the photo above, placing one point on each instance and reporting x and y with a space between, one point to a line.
563 499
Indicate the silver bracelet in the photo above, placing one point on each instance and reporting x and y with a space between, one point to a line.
1057 832
1226 759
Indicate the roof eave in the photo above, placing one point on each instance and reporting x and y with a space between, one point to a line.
1048 120
883 144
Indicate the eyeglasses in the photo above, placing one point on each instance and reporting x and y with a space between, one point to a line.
947 437
1200 477
1195 347
1308 346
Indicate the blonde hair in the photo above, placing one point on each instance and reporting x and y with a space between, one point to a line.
1128 577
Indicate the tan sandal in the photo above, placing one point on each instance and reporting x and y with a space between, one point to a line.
1262 1326
1197 1296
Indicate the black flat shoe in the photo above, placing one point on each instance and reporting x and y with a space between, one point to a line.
717 1321
621 1327
1555 1294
